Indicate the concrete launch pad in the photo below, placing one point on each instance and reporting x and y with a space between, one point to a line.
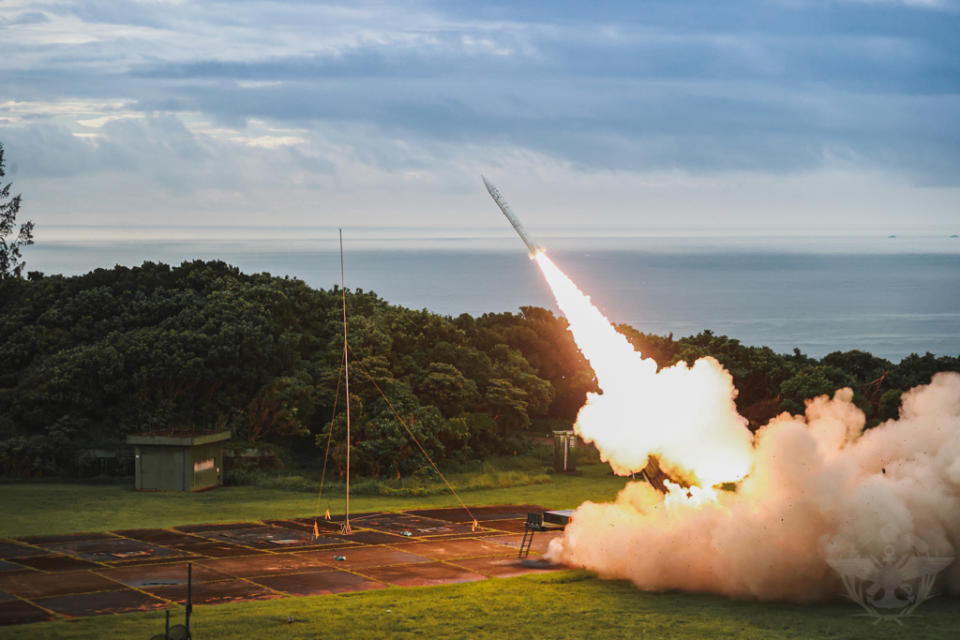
67 576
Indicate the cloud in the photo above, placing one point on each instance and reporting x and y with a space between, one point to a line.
27 17
770 89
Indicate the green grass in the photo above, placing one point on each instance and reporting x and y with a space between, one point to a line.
491 473
491 478
569 604
37 509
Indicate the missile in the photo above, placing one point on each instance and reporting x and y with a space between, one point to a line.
512 217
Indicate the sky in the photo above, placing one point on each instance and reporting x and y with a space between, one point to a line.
689 117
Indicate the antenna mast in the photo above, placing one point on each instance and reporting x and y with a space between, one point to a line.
346 369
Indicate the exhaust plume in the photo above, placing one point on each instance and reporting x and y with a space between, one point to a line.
642 412
813 488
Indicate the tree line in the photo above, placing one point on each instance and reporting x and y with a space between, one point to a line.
87 360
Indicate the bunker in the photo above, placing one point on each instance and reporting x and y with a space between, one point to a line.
178 462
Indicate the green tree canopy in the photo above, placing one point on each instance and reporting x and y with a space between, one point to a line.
87 360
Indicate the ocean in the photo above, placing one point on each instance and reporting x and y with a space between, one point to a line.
890 296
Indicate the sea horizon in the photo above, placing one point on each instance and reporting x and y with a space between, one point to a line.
891 296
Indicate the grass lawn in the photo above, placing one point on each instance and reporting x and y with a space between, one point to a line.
569 604
37 509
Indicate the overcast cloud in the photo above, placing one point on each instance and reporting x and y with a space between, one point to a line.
682 115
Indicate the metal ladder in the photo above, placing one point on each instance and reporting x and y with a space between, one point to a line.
534 523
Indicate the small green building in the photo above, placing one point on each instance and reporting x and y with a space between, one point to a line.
178 462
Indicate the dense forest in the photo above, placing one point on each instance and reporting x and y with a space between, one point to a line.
87 360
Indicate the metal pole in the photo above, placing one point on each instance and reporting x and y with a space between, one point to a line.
346 370
189 598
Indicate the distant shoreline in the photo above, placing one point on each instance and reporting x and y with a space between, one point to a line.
890 304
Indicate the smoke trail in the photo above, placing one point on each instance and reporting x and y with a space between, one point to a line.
642 412
819 486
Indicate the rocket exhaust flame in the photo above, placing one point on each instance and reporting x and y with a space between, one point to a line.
642 412
814 492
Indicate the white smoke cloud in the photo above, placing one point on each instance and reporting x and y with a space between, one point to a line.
820 488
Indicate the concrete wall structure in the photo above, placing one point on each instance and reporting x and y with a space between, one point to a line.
178 463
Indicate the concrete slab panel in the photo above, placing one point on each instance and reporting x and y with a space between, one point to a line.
266 564
136 562
511 540
219 526
364 536
325 528
10 549
479 533
221 592
414 526
541 540
114 549
40 585
57 563
66 537
323 544
357 517
102 602
20 612
332 525
216 526
493 512
505 567
13 567
462 548
263 537
217 550
164 537
160 575
363 557
320 582
302 524
512 525
419 575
